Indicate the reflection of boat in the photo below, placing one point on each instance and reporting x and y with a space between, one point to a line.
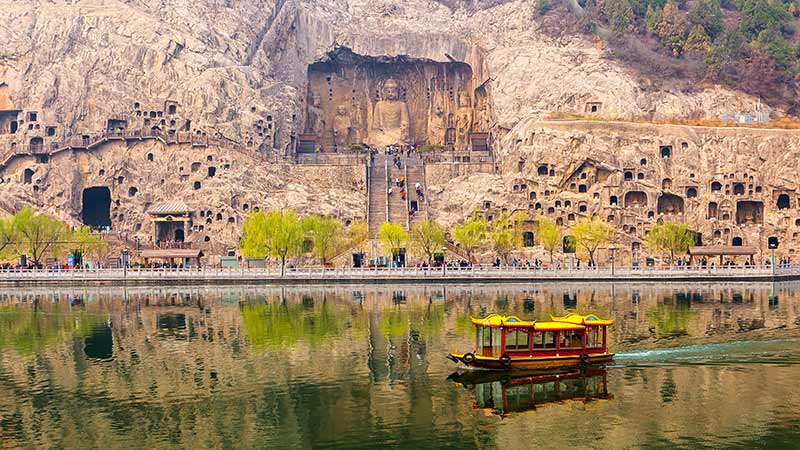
504 392
511 343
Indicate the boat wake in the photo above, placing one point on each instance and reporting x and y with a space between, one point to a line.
778 352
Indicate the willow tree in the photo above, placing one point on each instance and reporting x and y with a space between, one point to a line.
38 234
357 233
392 236
326 234
276 233
83 242
671 237
549 236
7 237
471 234
504 233
426 238
590 234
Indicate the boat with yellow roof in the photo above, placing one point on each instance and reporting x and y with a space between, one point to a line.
508 342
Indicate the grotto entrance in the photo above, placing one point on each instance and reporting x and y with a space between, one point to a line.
96 207
354 99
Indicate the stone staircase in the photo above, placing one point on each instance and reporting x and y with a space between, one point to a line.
398 208
415 173
377 194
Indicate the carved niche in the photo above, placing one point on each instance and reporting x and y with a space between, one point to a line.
392 100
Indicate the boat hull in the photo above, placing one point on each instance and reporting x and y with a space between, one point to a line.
532 362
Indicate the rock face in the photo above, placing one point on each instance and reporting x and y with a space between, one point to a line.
250 85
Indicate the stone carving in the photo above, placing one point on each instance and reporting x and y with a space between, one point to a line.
464 117
342 127
437 125
390 121
481 113
316 117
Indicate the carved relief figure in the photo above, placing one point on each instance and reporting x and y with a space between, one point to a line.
481 114
342 127
437 125
390 121
463 121
316 117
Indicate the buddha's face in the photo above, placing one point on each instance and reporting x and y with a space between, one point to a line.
463 100
315 100
390 90
341 110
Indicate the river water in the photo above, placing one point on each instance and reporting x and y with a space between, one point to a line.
697 366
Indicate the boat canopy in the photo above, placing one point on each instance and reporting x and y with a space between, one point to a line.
590 320
496 321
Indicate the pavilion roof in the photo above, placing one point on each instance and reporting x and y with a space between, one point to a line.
171 208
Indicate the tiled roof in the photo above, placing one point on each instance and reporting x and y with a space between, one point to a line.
173 208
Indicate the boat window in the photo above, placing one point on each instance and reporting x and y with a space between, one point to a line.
478 336
571 339
544 339
497 341
517 340
487 337
593 338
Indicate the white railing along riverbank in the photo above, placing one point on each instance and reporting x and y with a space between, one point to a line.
345 274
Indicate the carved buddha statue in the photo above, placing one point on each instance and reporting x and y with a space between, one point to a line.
390 121
342 127
464 116
316 117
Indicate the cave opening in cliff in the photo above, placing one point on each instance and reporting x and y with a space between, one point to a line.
749 212
783 201
382 100
96 207
669 204
636 199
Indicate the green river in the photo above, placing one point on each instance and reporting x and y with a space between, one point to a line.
698 366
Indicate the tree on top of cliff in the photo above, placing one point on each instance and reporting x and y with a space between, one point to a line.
590 234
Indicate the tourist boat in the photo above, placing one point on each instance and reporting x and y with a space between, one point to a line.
519 391
507 342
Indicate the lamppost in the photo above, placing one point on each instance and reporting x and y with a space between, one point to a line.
613 250
125 253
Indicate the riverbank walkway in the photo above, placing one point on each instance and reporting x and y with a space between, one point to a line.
411 275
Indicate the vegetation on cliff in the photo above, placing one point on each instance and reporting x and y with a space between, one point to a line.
750 45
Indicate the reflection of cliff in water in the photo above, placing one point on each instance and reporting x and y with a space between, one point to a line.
519 392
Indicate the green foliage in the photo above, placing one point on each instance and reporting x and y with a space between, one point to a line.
671 320
670 26
708 15
277 233
431 148
549 236
590 234
357 233
675 238
471 234
642 7
83 243
760 15
773 43
426 238
38 234
8 236
698 40
27 332
273 325
326 235
392 236
620 15
504 233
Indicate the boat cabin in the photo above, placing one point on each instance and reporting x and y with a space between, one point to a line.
572 334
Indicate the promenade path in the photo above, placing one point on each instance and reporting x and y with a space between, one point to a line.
410 275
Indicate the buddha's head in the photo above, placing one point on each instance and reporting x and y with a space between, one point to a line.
341 110
463 100
391 89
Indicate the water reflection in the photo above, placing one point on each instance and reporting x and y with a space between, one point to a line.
364 367
503 393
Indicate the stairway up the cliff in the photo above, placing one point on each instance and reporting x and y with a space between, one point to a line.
415 173
398 207
378 189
